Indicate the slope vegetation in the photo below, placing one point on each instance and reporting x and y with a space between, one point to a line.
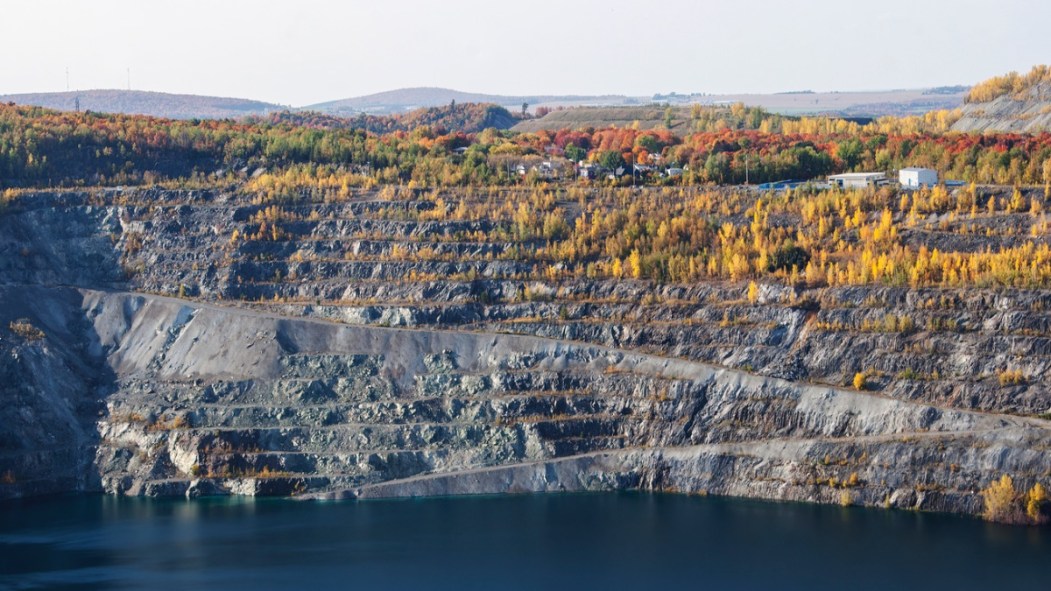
1011 103
453 118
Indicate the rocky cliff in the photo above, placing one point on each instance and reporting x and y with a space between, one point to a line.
370 376
1026 111
177 398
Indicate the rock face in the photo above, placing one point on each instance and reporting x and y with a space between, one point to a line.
51 387
202 399
438 387
1029 113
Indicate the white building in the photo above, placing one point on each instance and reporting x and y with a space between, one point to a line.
858 180
914 178
588 171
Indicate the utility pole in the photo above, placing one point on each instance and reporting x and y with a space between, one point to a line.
67 79
129 78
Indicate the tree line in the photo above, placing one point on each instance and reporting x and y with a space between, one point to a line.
39 147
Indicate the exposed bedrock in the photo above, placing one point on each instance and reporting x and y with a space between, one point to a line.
365 355
179 398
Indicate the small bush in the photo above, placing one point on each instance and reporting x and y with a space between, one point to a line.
846 499
1011 377
132 243
909 374
25 329
178 422
891 323
860 381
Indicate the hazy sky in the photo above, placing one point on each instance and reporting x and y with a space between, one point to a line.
298 52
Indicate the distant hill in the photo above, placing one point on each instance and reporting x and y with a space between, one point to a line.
1011 103
875 103
406 100
395 101
462 117
138 102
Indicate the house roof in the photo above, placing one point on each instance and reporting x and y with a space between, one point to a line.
857 176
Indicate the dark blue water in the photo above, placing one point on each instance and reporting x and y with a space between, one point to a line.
611 541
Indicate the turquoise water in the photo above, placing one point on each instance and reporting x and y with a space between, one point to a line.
608 541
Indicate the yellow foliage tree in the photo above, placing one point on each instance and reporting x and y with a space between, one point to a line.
860 381
753 292
1001 500
635 264
1035 500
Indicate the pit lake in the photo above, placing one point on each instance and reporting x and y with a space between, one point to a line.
592 541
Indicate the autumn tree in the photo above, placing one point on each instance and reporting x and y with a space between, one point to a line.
1036 503
860 381
1002 500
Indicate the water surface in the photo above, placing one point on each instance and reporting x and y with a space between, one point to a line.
610 541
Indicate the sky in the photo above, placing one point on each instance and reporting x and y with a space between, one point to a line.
307 51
